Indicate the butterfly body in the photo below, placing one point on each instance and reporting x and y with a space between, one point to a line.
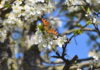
46 26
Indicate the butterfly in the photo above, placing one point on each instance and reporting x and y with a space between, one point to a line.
49 30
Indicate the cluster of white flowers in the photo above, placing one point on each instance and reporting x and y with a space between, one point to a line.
30 11
73 4
93 2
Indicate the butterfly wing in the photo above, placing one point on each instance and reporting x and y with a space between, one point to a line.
52 31
45 22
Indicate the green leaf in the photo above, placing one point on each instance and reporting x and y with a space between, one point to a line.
7 5
88 22
88 10
40 26
78 31
78 25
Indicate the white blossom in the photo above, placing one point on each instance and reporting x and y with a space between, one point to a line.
31 2
55 21
95 54
18 2
94 20
79 69
3 34
12 19
2 3
61 40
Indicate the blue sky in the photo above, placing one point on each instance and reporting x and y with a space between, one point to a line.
81 48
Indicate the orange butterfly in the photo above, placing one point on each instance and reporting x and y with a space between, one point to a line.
46 27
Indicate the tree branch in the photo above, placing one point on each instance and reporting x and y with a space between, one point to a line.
72 30
85 64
